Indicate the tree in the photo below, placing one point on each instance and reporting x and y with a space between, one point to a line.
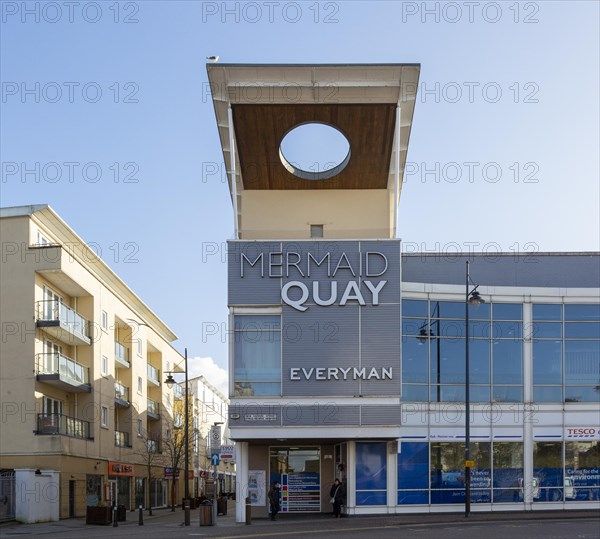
150 453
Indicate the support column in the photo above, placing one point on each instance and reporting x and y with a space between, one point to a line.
351 479
392 476
527 406
241 481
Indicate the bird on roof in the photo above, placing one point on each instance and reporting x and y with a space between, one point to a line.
213 59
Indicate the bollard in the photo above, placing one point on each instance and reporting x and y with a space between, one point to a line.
186 508
115 522
248 512
141 519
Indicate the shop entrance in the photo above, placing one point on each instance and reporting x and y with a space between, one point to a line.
298 469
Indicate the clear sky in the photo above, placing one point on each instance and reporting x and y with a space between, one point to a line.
119 88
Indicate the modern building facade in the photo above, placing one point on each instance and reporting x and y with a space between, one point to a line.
85 409
348 358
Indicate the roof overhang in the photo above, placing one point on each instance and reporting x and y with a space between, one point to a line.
256 105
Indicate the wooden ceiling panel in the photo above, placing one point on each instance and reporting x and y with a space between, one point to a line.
369 129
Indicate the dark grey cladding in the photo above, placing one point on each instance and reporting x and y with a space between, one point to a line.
557 270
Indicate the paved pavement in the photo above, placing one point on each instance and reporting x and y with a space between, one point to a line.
165 523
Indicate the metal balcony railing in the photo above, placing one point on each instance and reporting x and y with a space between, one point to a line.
153 407
64 425
121 392
153 374
122 439
67 368
154 446
52 310
122 354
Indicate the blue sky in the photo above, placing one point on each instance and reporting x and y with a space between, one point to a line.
139 111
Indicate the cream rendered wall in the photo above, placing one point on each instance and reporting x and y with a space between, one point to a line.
345 213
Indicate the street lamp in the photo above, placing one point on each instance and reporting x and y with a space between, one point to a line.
471 298
186 497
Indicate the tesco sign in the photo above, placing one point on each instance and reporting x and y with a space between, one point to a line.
588 433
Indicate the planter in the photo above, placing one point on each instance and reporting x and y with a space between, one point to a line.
98 515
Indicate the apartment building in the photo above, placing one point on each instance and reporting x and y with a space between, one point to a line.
210 407
84 407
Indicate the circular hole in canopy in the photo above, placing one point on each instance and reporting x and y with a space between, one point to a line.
314 151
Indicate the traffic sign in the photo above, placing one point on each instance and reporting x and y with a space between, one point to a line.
214 459
215 439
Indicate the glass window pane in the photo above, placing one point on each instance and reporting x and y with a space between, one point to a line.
413 465
371 497
447 309
258 358
479 362
582 393
413 497
251 322
448 360
582 362
414 326
547 471
450 328
414 307
414 360
547 362
582 464
547 330
447 393
507 330
547 394
507 361
582 330
548 311
508 393
371 460
479 393
414 393
479 330
582 312
448 465
508 464
479 312
257 389
507 311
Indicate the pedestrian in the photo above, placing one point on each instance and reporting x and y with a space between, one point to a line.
336 494
274 500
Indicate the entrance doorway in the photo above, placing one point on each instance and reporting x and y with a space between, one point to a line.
112 491
71 499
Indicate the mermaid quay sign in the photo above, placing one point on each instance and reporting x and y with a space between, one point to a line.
297 294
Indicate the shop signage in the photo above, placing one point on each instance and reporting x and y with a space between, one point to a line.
338 373
171 473
297 293
120 468
582 433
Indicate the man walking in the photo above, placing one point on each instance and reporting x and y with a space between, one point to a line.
274 500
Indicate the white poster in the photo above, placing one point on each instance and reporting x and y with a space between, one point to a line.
257 485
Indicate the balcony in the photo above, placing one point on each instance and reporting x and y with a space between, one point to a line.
122 395
153 410
153 375
62 322
63 373
154 446
64 425
122 439
177 392
122 355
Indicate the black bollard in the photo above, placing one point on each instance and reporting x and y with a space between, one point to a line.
141 513
248 511
115 523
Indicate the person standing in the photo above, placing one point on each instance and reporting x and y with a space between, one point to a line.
274 500
336 494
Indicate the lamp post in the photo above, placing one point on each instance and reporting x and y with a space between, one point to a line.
471 298
186 497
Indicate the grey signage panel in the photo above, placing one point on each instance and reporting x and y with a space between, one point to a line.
255 415
313 345
380 347
375 414
320 415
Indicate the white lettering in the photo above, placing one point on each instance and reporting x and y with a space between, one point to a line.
347 265
324 302
294 373
345 372
359 373
375 290
320 373
386 374
259 257
348 295
296 304
368 274
373 374
332 373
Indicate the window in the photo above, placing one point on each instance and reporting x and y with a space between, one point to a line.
104 366
547 471
104 417
139 347
140 427
52 407
105 320
42 240
140 385
371 477
257 355
316 231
